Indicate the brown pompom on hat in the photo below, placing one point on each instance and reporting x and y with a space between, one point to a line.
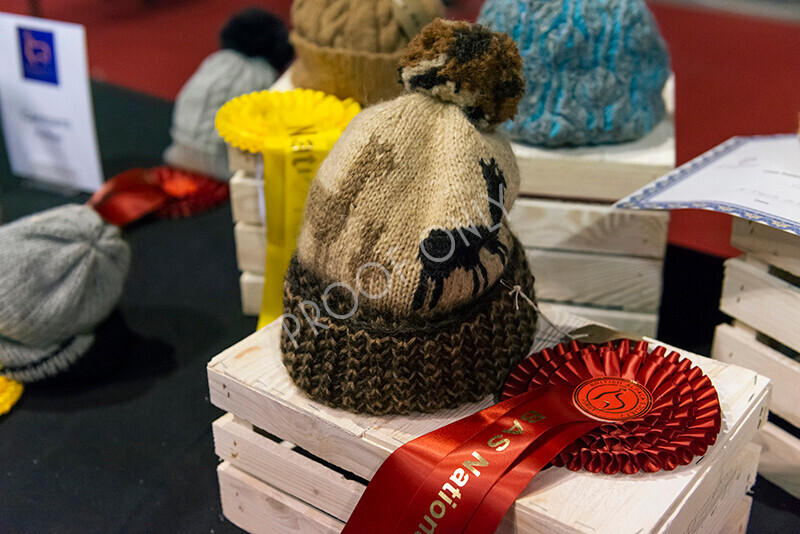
404 292
351 48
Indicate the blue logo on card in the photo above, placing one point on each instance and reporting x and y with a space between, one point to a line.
38 55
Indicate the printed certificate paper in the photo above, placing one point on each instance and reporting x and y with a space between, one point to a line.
46 102
755 178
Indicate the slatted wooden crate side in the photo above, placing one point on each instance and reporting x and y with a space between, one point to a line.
237 486
329 491
270 401
598 280
771 245
304 478
322 488
547 224
763 302
739 346
780 458
259 508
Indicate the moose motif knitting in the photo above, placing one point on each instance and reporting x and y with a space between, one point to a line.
397 298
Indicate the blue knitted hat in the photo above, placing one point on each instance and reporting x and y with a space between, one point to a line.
595 69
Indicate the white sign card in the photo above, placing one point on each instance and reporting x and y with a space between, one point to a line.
46 102
755 178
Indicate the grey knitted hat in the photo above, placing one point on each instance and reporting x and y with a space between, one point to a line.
61 273
226 74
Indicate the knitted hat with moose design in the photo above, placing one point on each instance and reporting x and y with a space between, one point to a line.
397 299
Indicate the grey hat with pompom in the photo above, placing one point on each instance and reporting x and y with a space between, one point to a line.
62 272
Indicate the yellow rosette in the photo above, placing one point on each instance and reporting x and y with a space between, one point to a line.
293 131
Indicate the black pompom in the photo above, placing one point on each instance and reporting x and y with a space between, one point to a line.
256 32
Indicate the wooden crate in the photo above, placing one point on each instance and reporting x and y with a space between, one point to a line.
761 291
312 482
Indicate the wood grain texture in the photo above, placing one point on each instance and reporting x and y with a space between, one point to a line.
736 523
259 508
299 476
249 380
599 280
642 323
738 346
582 227
761 301
771 245
780 458
710 504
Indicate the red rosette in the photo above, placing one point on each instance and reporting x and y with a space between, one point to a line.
189 192
683 421
164 191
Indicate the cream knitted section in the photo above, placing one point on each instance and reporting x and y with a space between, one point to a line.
402 170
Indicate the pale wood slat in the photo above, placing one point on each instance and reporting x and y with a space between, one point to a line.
599 280
581 227
259 508
771 245
740 347
642 323
299 476
780 458
763 302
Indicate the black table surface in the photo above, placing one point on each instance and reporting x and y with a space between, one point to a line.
123 443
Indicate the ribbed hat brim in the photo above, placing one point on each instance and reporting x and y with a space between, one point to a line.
379 365
31 364
366 77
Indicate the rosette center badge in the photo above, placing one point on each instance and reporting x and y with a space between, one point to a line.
612 399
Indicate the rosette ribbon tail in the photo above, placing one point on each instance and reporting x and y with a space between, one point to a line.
615 408
477 464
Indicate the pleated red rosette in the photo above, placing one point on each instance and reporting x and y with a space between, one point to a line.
611 408
683 422
164 191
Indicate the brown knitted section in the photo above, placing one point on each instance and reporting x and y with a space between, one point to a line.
468 65
377 364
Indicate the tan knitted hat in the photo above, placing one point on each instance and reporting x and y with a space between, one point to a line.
351 48
399 295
